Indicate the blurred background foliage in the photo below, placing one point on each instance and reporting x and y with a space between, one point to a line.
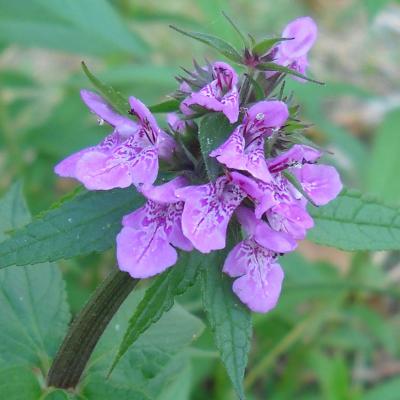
335 333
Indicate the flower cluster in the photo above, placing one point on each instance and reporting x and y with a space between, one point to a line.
266 177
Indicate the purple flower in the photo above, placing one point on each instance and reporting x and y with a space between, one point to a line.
244 149
129 155
293 53
220 95
253 263
208 209
145 245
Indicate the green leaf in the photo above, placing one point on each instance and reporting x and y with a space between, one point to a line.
19 383
154 359
166 106
265 45
216 43
115 98
213 131
243 38
388 390
356 222
75 26
84 224
229 319
384 163
159 298
33 310
270 66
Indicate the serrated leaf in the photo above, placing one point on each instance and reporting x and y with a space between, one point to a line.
19 383
33 310
154 359
263 46
270 66
216 43
166 106
229 319
115 98
159 298
84 224
356 222
213 131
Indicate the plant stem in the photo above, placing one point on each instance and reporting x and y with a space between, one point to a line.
87 329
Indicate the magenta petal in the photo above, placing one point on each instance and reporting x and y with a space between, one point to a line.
260 294
144 168
321 182
297 155
144 253
266 114
165 193
146 119
96 173
67 167
304 32
99 106
166 146
208 209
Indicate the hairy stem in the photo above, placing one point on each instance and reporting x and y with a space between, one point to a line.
87 328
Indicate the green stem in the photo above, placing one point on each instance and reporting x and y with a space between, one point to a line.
87 329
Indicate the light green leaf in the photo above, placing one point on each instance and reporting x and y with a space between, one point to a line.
270 66
116 99
33 310
214 130
159 298
229 319
18 383
356 222
384 164
387 390
86 223
90 26
265 45
218 44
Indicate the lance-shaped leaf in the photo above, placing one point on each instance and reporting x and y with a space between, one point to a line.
115 98
159 298
356 222
214 130
230 320
216 43
84 224
270 66
265 45
169 105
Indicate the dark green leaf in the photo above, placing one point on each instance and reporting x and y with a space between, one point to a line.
356 222
115 98
214 130
166 106
84 224
152 361
159 298
270 66
230 320
33 310
18 383
218 44
243 38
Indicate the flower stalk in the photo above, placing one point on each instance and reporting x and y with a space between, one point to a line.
87 328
